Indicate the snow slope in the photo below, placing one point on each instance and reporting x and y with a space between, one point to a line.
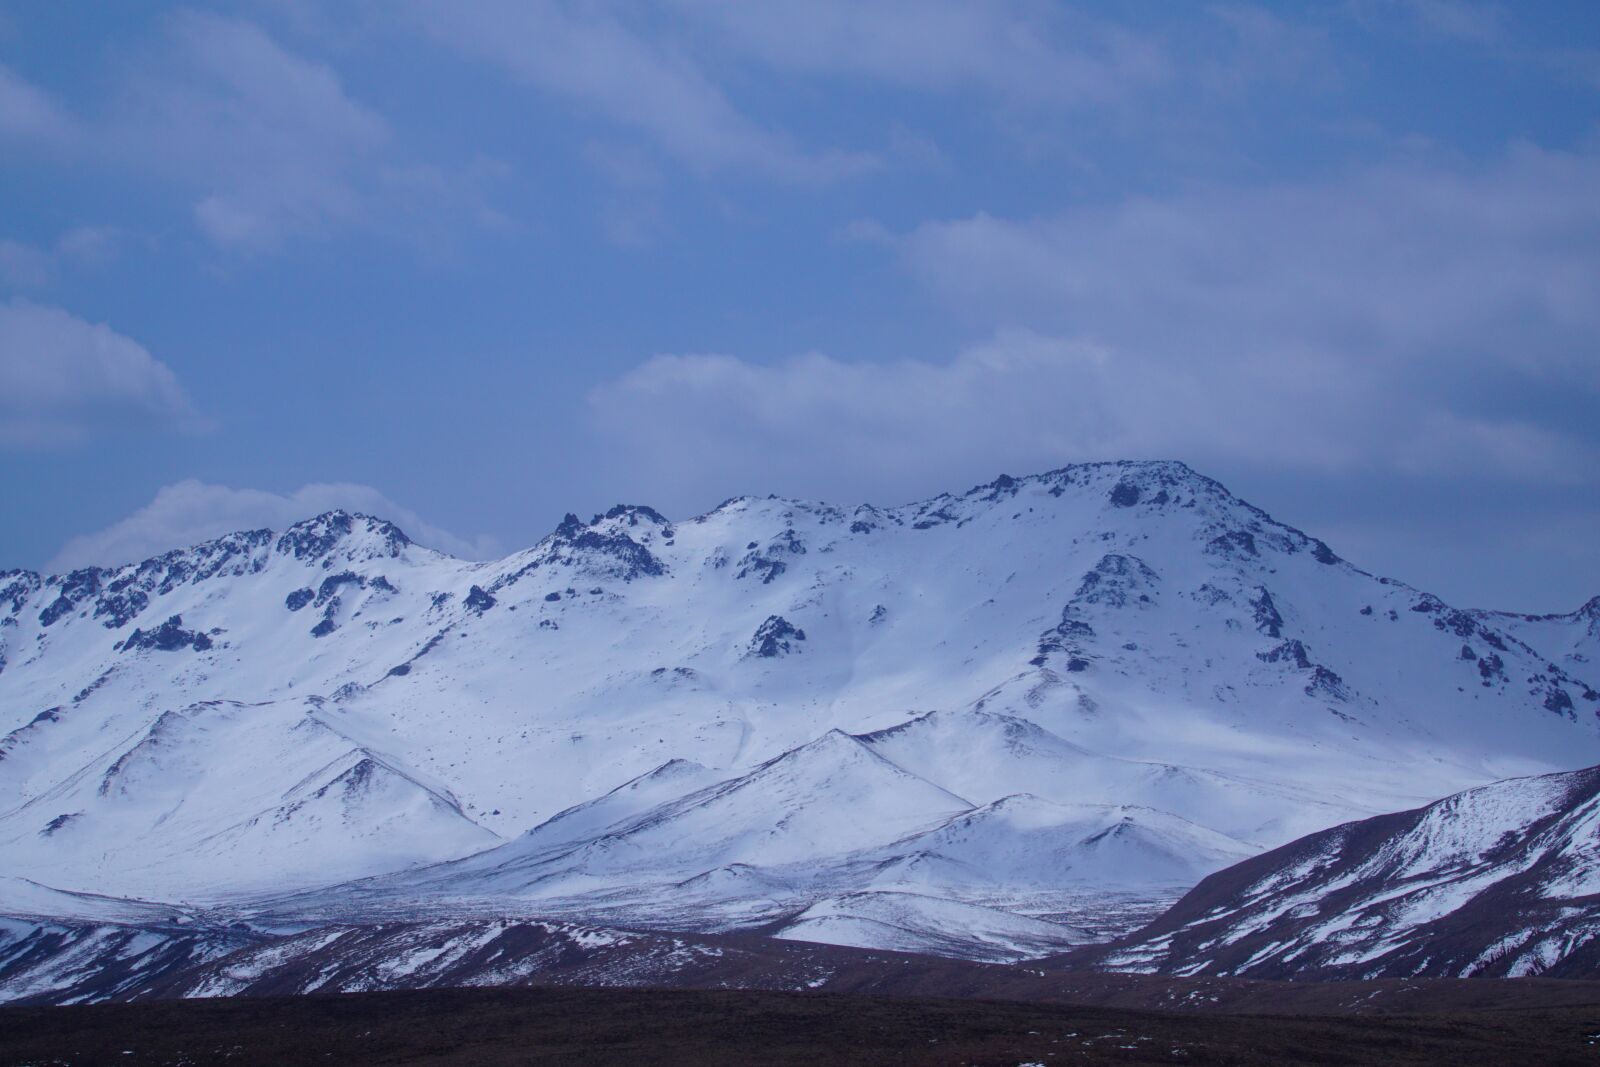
911 922
1499 880
723 721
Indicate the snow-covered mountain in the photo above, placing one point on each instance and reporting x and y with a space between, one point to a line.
1500 880
1045 697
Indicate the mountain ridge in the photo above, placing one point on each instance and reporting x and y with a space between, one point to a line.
1499 880
1120 634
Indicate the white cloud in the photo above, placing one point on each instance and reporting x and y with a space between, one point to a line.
89 244
26 266
274 148
189 512
28 113
1456 18
1400 256
265 141
63 380
689 426
1406 321
1022 52
1393 307
637 80
270 139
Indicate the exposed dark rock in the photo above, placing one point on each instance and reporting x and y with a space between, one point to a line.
1066 636
776 637
766 561
298 599
170 636
1001 488
1268 621
76 587
631 559
60 822
123 598
331 585
1326 683
635 514
1124 494
16 587
1292 651
478 600
87 691
1235 544
433 643
1558 701
1116 581
599 552
327 625
314 538
126 592
937 517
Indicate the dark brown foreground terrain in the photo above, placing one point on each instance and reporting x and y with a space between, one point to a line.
488 1027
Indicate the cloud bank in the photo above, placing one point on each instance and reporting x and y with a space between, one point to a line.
189 512
1406 320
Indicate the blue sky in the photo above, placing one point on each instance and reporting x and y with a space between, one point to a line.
473 265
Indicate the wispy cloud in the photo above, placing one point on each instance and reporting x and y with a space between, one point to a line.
29 114
28 266
1020 52
1463 19
587 56
1384 270
64 380
693 426
267 143
189 512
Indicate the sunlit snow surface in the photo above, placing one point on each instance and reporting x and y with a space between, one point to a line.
1105 681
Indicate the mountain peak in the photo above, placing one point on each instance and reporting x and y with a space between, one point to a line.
632 515
315 538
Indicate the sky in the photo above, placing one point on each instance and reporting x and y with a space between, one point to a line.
470 265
